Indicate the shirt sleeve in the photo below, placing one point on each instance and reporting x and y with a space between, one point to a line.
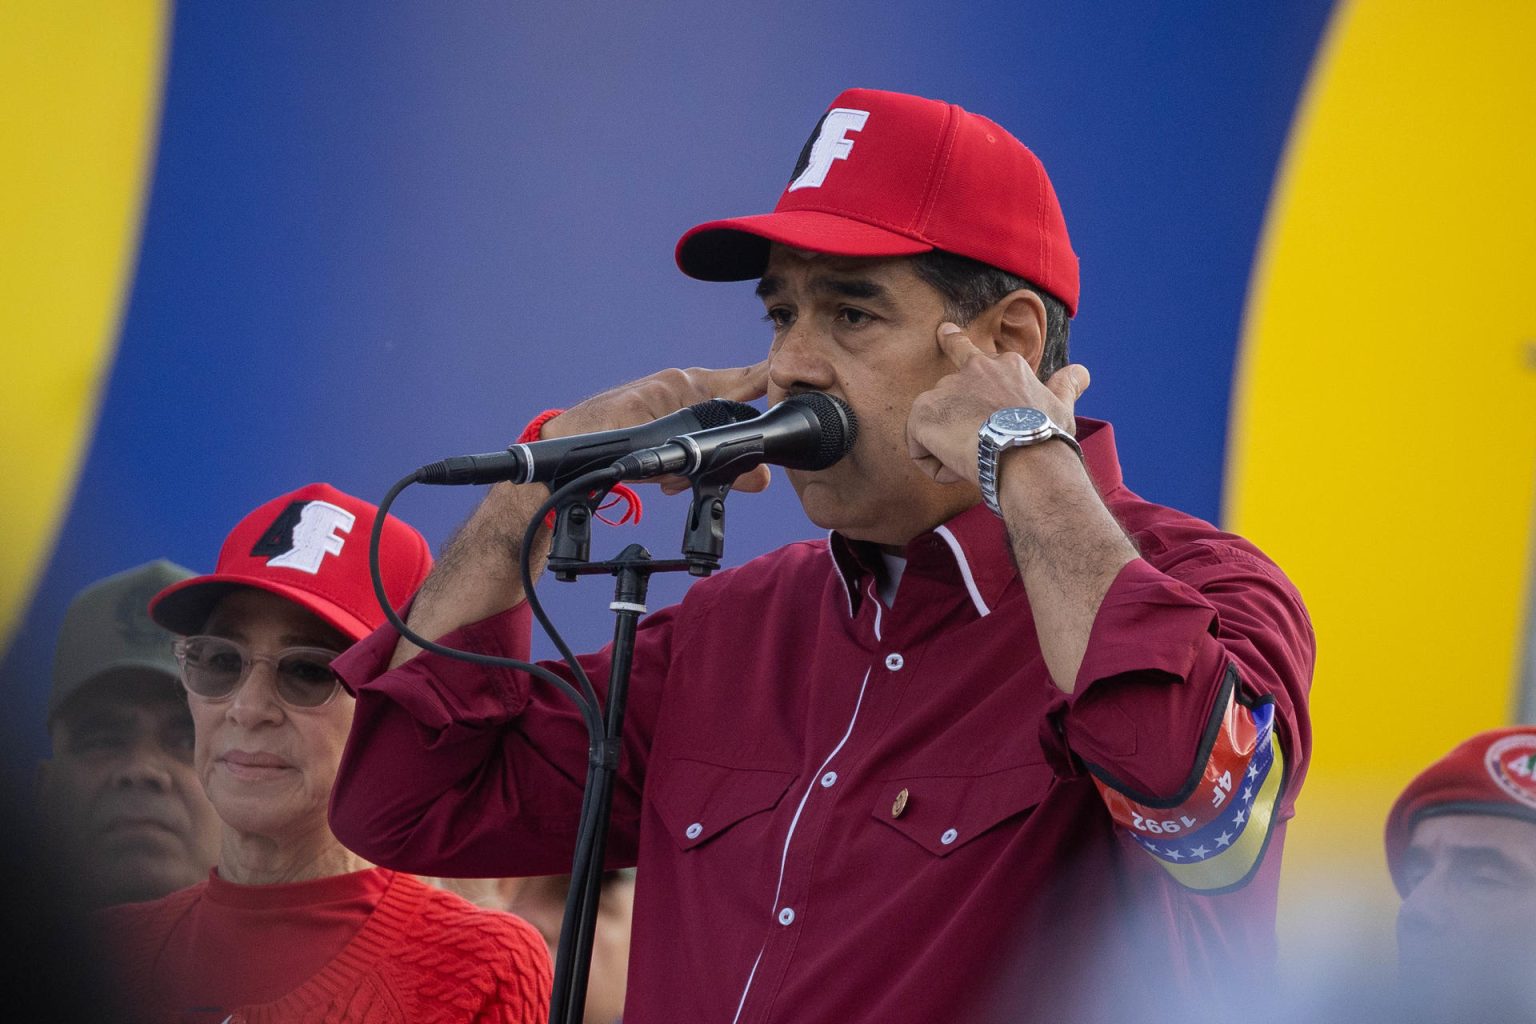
458 769
1189 710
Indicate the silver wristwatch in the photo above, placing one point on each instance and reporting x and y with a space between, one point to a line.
1012 428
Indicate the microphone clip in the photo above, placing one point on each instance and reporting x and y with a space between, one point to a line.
704 531
571 544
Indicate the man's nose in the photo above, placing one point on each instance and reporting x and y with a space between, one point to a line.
1428 911
144 767
798 361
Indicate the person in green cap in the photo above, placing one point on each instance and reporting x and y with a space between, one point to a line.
123 812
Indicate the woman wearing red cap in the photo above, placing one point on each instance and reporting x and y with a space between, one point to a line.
291 925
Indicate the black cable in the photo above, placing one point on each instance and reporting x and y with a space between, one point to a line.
589 711
599 742
599 480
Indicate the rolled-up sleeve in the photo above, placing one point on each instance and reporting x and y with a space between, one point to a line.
1189 708
460 769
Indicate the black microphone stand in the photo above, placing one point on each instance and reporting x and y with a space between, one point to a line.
703 543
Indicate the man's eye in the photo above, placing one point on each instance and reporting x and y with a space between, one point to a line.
98 741
854 317
1490 880
779 317
180 740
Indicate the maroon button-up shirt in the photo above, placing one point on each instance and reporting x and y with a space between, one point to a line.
843 811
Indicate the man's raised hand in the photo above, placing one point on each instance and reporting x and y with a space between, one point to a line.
942 427
660 394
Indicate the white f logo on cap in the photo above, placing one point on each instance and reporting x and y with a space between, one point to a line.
315 536
831 144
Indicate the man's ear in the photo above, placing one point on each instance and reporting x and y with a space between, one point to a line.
1019 319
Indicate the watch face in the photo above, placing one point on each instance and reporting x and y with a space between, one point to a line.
1019 421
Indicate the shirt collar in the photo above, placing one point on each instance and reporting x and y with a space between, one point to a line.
973 546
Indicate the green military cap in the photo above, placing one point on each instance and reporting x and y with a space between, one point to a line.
107 630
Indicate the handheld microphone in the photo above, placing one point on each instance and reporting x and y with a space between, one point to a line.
805 431
561 459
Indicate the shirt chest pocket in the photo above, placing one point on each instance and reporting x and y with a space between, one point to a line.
698 800
944 813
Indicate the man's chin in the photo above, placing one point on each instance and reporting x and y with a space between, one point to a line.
824 503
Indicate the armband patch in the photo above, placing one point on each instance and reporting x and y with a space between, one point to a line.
1213 839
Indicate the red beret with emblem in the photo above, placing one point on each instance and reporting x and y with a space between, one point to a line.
1492 773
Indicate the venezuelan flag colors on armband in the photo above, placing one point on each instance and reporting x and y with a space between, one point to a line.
1211 838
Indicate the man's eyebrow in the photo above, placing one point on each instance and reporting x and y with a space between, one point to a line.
99 718
846 287
851 287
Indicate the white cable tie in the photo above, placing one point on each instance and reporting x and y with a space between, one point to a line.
626 606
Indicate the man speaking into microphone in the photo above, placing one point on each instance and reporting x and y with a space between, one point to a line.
1009 743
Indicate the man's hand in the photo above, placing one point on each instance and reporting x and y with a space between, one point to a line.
1065 542
652 397
478 573
942 427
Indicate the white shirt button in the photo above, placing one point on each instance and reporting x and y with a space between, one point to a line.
787 916
828 780
693 831
949 836
894 662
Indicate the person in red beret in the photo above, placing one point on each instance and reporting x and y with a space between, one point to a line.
290 925
1461 846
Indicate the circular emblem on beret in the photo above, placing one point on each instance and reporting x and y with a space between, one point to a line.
1512 763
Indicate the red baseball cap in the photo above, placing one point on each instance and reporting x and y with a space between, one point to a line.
1494 773
887 174
310 546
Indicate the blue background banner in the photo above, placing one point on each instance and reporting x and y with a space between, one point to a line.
377 235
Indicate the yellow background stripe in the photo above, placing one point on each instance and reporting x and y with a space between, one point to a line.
1383 441
81 83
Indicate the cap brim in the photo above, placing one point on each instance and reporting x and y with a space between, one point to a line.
737 249
184 607
113 674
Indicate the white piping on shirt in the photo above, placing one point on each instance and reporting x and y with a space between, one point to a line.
837 571
795 821
752 974
965 570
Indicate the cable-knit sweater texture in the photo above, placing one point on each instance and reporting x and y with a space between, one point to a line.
421 955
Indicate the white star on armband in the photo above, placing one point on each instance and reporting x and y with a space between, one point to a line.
1225 839
1200 852
1248 795
1253 771
1174 854
1240 818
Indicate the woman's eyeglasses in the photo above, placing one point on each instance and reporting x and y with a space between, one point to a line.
213 668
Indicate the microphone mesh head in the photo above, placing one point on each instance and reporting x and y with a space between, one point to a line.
839 428
717 412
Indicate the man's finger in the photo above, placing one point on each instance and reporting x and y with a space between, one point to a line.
1069 382
959 348
738 383
753 480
